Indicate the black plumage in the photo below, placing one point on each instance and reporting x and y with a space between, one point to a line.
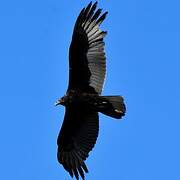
83 100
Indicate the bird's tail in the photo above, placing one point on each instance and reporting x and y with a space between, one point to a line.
111 106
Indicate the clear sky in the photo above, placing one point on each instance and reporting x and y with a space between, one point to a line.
143 65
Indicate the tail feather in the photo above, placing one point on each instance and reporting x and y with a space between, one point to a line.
111 106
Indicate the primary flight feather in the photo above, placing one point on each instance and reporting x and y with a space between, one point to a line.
83 100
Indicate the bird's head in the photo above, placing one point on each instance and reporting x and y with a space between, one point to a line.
61 101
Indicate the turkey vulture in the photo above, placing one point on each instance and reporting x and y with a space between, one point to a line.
83 100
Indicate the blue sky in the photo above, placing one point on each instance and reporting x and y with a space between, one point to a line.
143 65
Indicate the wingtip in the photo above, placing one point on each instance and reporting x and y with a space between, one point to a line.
106 13
89 5
85 167
96 3
100 10
76 173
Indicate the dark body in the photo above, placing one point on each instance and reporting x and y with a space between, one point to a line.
83 100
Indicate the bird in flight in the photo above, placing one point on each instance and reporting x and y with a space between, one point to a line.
83 100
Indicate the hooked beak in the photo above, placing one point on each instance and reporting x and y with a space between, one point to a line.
58 102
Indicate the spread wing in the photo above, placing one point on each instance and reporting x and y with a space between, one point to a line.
76 139
87 62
